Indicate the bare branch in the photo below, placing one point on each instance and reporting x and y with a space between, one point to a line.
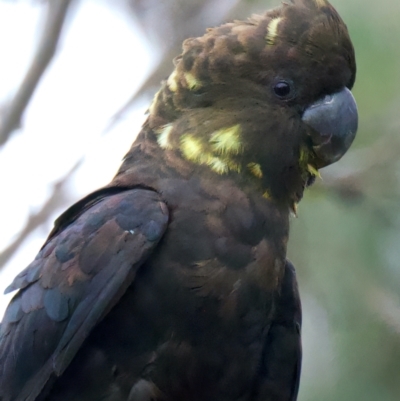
56 200
56 13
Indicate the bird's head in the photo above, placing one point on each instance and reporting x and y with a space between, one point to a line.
268 98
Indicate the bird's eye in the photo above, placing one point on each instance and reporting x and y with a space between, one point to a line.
283 90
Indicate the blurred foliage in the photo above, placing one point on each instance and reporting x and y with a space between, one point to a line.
346 246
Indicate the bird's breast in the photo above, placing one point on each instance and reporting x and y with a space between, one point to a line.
201 306
209 292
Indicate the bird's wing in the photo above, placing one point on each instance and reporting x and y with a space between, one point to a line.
279 375
80 273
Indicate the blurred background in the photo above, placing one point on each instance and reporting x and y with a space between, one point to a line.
76 77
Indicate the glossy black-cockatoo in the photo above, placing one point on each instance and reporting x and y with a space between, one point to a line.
171 283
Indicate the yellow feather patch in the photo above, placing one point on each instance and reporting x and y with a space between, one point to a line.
227 140
221 165
267 195
272 30
163 138
294 209
233 166
218 165
304 156
255 169
192 82
153 103
172 83
320 3
312 170
194 150
191 147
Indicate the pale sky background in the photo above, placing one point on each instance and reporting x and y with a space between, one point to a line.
100 62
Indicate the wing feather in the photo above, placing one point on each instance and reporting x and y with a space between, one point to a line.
78 276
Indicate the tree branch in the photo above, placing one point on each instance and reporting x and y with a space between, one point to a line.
58 198
56 13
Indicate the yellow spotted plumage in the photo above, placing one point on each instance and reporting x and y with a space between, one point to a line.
218 158
172 81
255 169
191 147
312 170
218 165
272 30
153 103
164 136
320 3
192 82
266 195
227 140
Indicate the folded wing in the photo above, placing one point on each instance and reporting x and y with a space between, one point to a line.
78 276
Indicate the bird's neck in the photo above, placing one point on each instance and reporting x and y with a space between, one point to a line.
148 164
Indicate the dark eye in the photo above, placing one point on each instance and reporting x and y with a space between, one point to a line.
283 90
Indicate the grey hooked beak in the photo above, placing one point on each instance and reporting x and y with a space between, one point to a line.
334 121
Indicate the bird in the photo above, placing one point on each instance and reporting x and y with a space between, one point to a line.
172 282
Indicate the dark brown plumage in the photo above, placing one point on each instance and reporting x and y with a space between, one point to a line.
172 282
